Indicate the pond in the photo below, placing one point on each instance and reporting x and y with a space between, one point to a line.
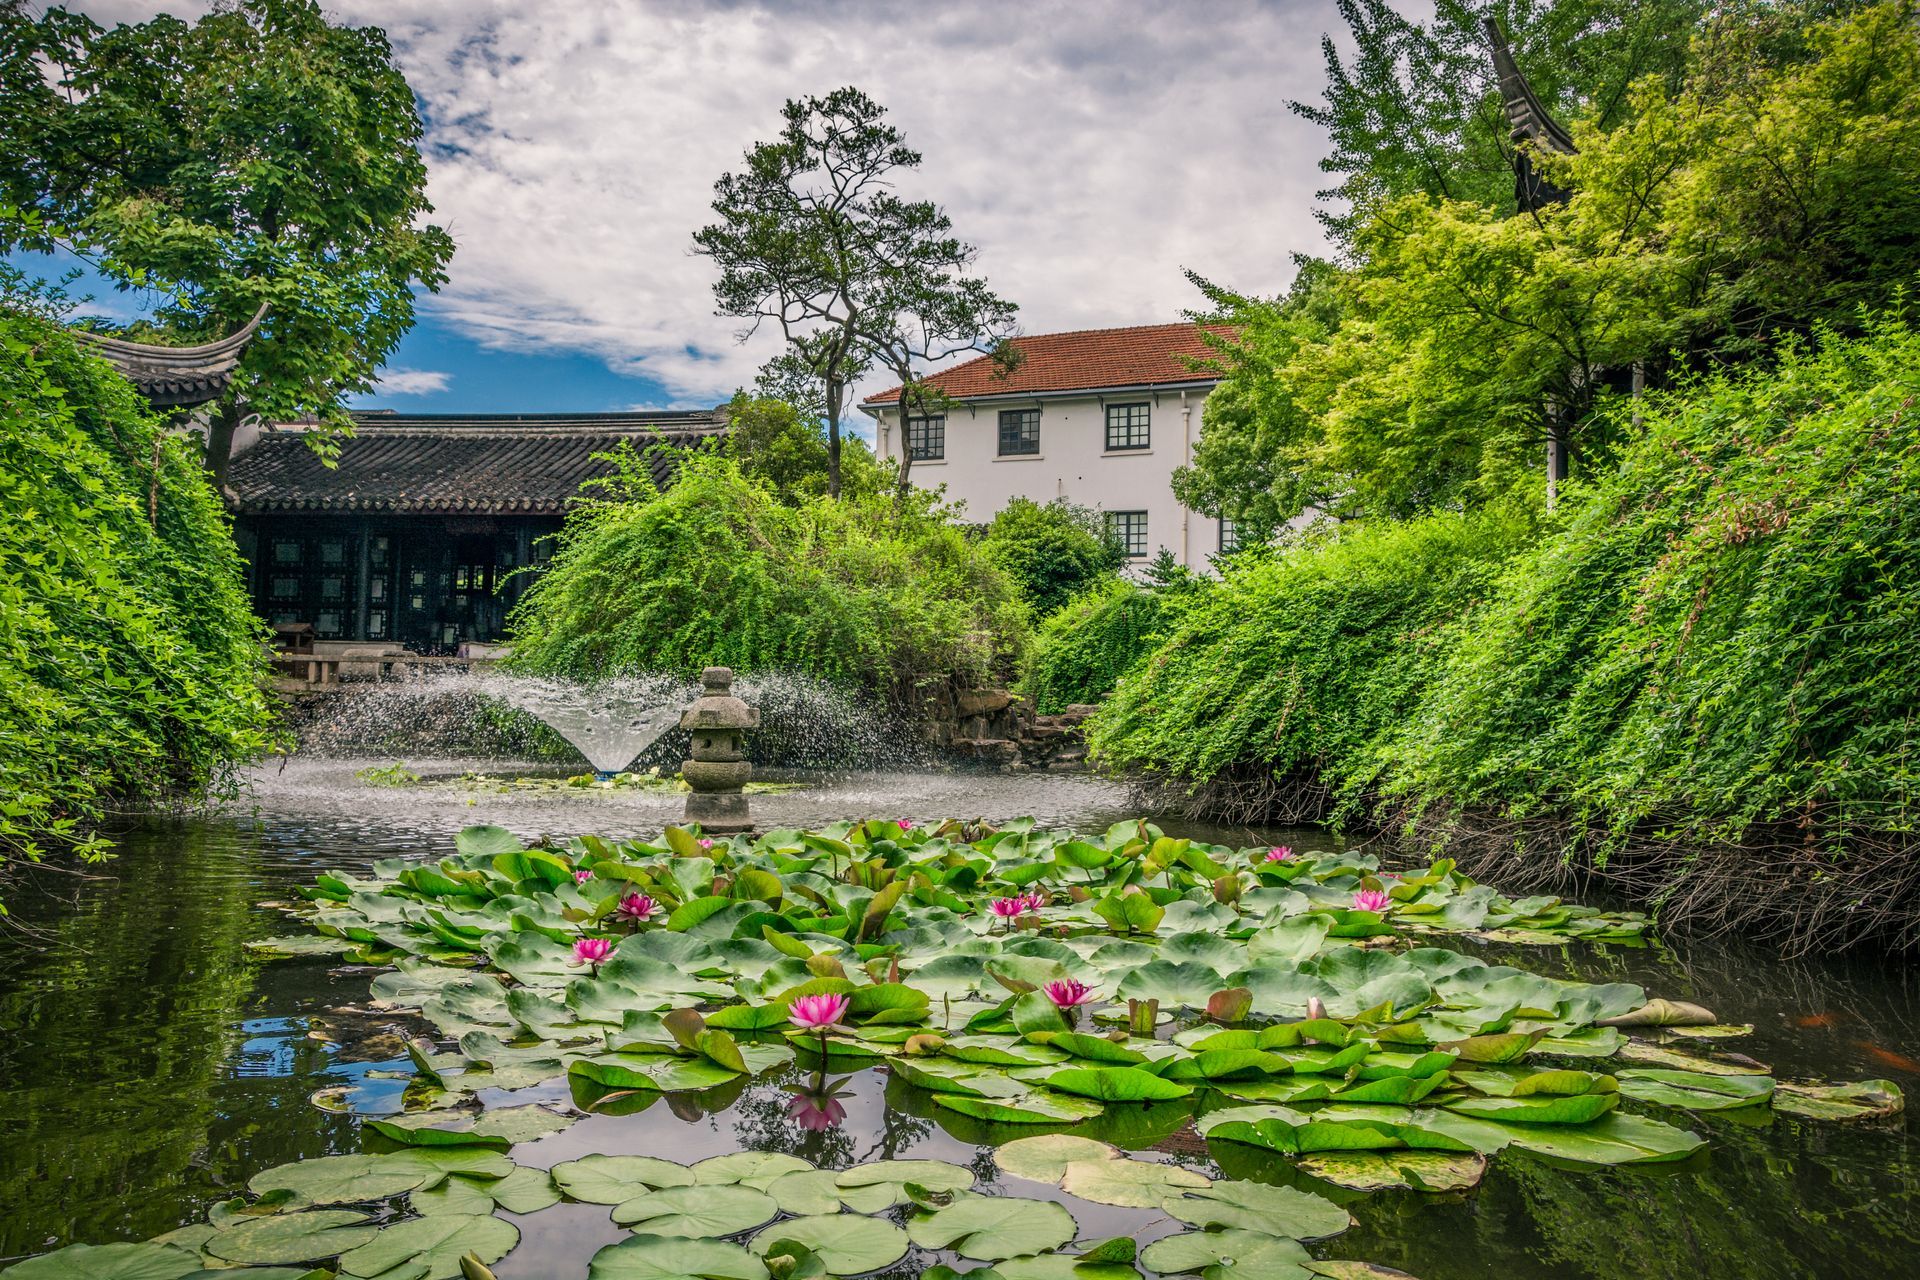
151 1064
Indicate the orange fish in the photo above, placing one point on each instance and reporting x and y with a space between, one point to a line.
1817 1020
1887 1057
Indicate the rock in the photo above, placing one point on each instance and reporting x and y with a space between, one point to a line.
993 751
980 702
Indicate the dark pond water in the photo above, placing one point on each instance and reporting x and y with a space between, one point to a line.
149 1064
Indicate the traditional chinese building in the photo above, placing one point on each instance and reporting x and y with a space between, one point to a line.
423 531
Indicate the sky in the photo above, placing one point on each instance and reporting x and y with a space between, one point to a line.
1091 151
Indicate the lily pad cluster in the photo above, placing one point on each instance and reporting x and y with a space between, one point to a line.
1018 982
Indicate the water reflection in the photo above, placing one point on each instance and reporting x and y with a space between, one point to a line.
150 1065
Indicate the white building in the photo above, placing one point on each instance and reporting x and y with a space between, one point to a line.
1100 417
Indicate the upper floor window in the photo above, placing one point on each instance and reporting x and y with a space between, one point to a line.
1128 426
1130 527
927 439
1019 432
1229 537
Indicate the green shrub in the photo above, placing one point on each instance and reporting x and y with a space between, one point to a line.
1053 551
876 591
1723 634
130 662
1296 663
1080 653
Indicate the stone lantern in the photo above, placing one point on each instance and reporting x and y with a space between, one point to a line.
718 769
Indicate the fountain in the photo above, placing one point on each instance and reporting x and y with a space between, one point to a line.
610 722
718 770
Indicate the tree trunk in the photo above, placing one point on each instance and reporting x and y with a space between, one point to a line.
220 431
836 391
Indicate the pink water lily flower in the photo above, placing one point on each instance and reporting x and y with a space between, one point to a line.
1032 901
1314 1008
1008 908
906 824
1068 993
637 907
816 1114
817 1013
706 844
582 876
1371 900
591 951
1279 853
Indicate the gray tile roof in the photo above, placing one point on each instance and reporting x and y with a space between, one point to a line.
496 463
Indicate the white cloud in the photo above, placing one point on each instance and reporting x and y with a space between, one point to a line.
413 382
1091 151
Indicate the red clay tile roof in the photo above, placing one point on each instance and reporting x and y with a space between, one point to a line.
1084 360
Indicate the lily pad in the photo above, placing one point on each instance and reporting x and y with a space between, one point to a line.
849 1244
1694 1090
1865 1100
522 1191
697 1211
806 1192
292 1237
1384 1170
1229 1255
675 1258
345 1179
1613 1139
1045 1158
869 1188
1042 1106
992 1228
1136 1184
614 1179
437 1242
137 1261
754 1169
1255 1206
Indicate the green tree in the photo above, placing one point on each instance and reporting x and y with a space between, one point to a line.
812 238
258 155
1053 551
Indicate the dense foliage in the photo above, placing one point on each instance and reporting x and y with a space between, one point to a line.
1768 191
876 591
1053 551
1289 671
783 447
129 659
1080 652
260 154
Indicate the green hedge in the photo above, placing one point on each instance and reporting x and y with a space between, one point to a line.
130 662
1080 653
877 591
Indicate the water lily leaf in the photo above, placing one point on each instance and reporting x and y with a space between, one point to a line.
869 1188
1094 1048
345 1179
110 1262
806 1192
849 1244
1045 1158
754 1169
1045 1266
1509 1046
1613 1139
1138 1184
1538 1108
675 1258
292 1237
1041 1106
696 1211
1349 1269
1229 1255
1865 1100
1382 1170
1662 1013
436 1242
1395 1089
522 1191
601 1179
1693 1090
992 1228
656 1072
1255 1206
1116 1084
1188 984
1654 1055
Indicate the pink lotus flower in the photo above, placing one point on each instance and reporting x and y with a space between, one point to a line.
906 824
582 876
1314 1008
817 1013
1068 993
1371 900
816 1114
1032 901
1389 875
1008 908
591 951
706 844
1280 853
637 907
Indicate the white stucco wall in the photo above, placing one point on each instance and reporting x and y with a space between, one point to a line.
1073 462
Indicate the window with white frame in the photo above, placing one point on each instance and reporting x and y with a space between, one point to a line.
1129 426
1130 529
1019 432
1229 537
927 439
